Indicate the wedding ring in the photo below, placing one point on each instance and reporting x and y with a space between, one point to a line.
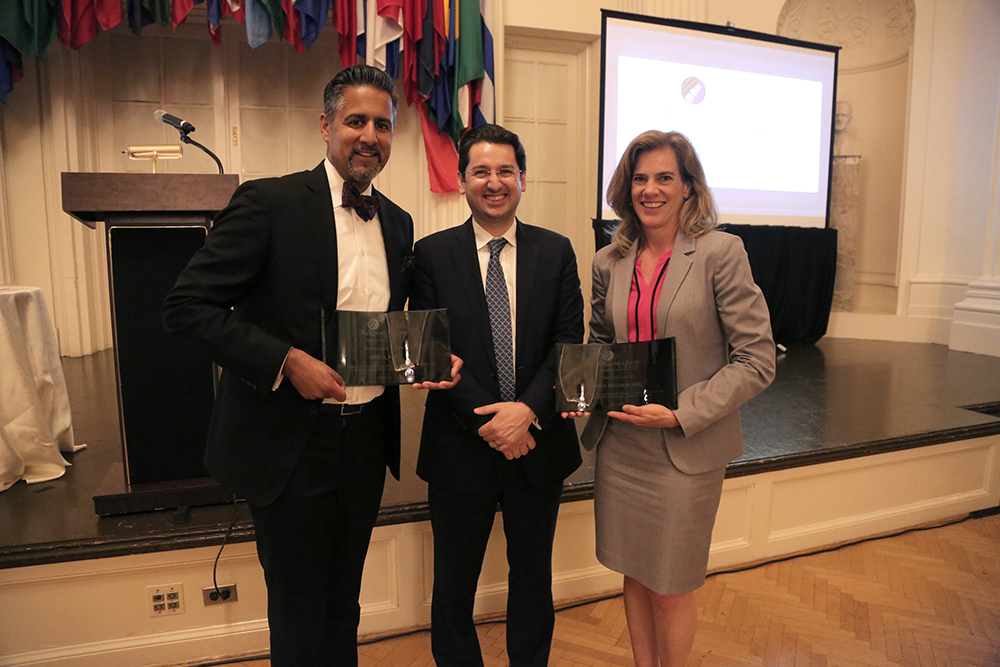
493 444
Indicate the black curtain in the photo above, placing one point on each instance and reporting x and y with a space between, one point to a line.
795 268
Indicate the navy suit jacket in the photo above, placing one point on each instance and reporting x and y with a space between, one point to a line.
446 274
256 289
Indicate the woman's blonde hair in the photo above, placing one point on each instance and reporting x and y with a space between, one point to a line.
698 214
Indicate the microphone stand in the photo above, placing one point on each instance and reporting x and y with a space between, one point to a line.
188 140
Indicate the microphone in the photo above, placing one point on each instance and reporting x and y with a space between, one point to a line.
181 125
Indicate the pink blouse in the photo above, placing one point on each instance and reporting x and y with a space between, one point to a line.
643 299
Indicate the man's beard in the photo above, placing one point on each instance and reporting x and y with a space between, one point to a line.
365 175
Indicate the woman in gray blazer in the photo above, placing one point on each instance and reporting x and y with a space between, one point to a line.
659 471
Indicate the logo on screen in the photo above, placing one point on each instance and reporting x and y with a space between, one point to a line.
693 90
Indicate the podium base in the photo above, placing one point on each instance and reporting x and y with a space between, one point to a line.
113 496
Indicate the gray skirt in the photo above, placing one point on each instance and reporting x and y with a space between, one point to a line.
654 523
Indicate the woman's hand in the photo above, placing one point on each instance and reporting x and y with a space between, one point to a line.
652 415
574 415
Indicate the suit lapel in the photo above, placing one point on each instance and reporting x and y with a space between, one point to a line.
466 259
618 292
528 256
394 251
318 207
681 259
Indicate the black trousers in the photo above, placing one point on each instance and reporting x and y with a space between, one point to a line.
312 541
462 524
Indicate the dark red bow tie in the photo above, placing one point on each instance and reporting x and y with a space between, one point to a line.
364 205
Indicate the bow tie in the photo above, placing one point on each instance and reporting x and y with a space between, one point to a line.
364 205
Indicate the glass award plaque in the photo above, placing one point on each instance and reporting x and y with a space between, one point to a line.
399 347
612 375
579 376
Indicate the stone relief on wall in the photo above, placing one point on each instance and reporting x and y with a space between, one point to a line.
900 17
844 22
871 32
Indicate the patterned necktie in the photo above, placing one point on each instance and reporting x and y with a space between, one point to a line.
499 305
364 205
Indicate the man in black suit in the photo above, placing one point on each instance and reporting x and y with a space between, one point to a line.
306 452
512 292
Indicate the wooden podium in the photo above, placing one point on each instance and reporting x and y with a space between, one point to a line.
154 223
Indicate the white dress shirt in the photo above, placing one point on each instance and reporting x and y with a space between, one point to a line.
362 270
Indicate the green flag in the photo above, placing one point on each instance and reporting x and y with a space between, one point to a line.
29 25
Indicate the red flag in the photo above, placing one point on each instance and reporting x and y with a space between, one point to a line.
180 12
293 26
109 13
390 9
345 22
442 160
413 17
78 22
440 33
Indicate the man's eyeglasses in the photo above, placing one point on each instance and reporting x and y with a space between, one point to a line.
484 174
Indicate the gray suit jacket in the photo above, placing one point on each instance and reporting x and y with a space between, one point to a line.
725 353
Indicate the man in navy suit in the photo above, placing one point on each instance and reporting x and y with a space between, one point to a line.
512 293
306 452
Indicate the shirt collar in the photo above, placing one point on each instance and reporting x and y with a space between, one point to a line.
483 237
337 184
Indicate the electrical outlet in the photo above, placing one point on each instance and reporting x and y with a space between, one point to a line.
210 596
166 599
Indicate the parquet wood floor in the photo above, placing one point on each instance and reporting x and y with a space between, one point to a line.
926 598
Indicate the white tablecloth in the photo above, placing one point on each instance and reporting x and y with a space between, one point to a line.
35 421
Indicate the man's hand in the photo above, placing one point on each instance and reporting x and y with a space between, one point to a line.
653 415
509 424
312 378
456 365
516 450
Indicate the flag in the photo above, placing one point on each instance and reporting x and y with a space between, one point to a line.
81 20
143 12
345 21
388 36
413 17
77 20
361 12
313 14
484 108
441 98
109 13
180 11
258 23
216 10
29 26
474 71
275 14
11 68
293 31
430 49
442 159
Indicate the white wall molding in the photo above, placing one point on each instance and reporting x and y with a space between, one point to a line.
975 326
899 328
